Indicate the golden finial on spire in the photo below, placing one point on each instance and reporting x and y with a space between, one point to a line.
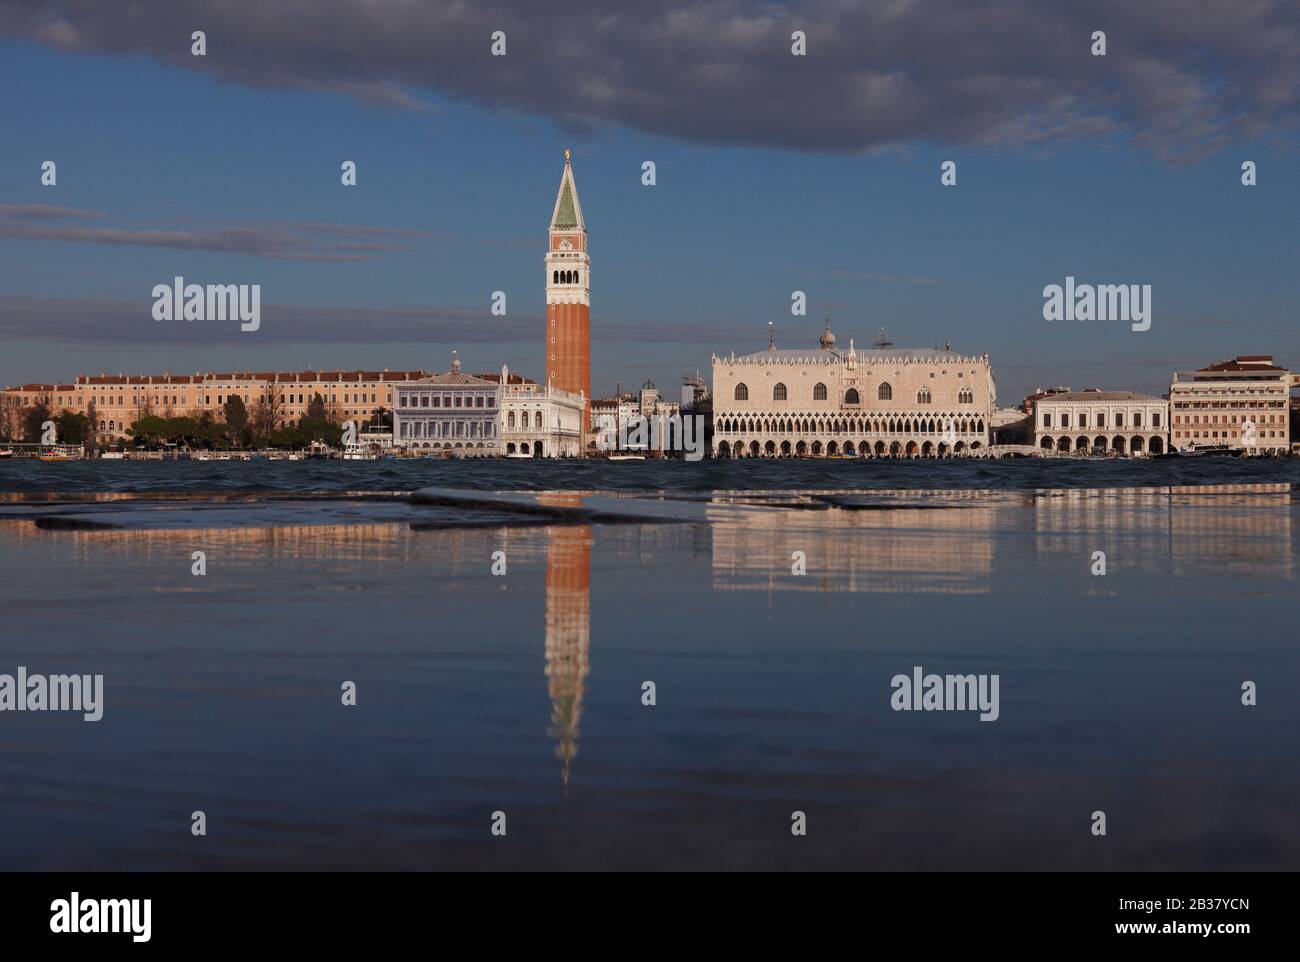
566 155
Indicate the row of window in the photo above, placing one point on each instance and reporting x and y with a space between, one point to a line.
448 401
176 400
885 392
1100 421
536 420
566 277
1220 405
1226 434
1234 419
447 429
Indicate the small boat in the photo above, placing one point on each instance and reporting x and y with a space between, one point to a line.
626 457
520 454
61 452
6 453
1204 451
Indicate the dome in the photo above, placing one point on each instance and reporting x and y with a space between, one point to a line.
827 338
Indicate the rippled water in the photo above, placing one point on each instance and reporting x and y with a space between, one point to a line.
707 475
522 692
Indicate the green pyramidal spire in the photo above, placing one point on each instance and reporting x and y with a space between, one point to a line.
568 212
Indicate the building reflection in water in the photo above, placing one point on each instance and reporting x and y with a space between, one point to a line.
904 541
568 634
1238 529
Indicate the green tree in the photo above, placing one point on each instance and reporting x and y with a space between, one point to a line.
316 408
92 419
73 428
33 418
236 416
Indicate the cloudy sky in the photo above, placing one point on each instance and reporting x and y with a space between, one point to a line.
775 173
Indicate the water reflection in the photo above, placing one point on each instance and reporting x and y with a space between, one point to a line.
568 635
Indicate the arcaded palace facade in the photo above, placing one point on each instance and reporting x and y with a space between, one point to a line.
880 402
1120 422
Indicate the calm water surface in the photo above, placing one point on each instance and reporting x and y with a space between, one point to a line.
522 693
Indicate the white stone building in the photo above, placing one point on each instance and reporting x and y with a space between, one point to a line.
1122 422
452 412
539 419
883 402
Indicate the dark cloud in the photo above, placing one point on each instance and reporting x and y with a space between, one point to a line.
118 322
311 242
1181 78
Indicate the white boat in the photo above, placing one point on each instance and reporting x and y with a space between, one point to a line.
62 452
520 454
626 457
6 453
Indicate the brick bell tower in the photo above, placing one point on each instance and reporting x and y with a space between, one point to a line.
568 296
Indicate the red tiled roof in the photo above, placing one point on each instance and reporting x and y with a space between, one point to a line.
1246 362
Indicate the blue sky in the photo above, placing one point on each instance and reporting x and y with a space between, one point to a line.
462 191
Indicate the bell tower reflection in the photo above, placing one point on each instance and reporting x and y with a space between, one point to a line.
568 634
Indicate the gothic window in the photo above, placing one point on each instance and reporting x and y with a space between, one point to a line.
965 396
851 396
778 392
819 391
885 392
742 392
923 396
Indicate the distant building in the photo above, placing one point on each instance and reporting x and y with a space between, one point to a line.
1094 420
278 398
539 420
452 412
1011 426
695 391
608 415
1027 405
883 402
1243 402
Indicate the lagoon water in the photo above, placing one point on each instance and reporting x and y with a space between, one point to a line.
522 692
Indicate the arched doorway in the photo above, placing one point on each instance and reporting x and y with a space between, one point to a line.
769 449
817 448
1046 444
832 449
537 449
912 449
1135 445
785 449
753 449
880 449
1157 445
1118 444
801 448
